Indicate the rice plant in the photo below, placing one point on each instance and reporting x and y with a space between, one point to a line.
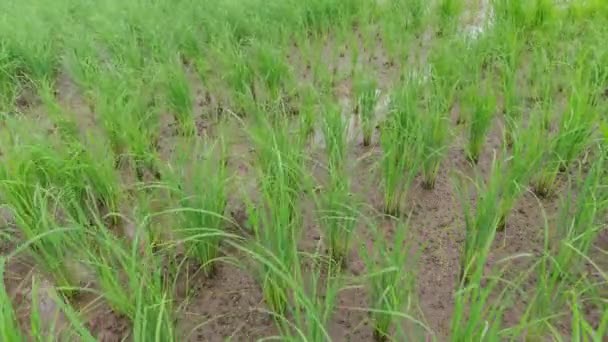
200 179
576 125
578 225
580 218
131 280
390 280
130 122
436 132
180 98
49 242
338 214
448 13
481 223
400 140
276 223
307 111
527 153
481 108
366 93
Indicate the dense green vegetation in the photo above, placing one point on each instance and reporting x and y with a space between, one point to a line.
131 130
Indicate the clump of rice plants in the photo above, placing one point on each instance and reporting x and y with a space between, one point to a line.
130 120
76 155
275 219
271 68
481 223
576 125
560 269
400 140
581 218
448 13
199 179
366 94
416 13
307 111
52 244
240 74
436 132
572 136
129 277
544 180
312 298
481 107
36 205
390 279
478 311
527 152
510 13
509 62
180 98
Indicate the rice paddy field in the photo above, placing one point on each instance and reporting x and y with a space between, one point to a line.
304 170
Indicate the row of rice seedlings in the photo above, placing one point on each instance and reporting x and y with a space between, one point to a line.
578 225
317 300
129 276
573 135
239 75
338 214
199 178
66 165
35 204
476 315
508 179
390 281
34 46
80 150
312 299
401 146
131 123
275 219
367 94
435 130
480 305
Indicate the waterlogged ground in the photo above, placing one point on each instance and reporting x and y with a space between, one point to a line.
230 305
